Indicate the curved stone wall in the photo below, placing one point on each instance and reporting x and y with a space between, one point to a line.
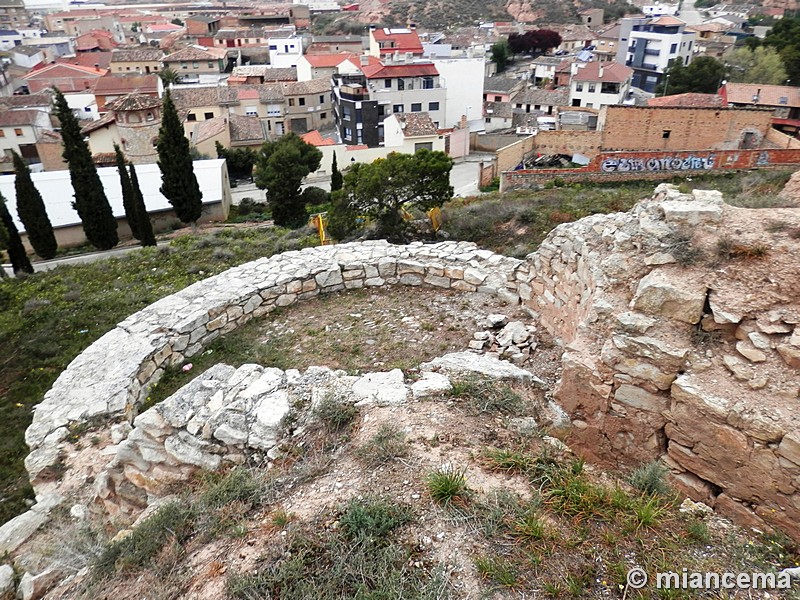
113 375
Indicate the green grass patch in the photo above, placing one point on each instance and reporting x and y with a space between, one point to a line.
486 395
447 484
48 318
386 445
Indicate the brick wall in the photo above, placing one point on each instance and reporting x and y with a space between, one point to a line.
644 128
510 156
654 166
587 143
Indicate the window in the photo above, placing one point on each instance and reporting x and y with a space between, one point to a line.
665 134
195 65
273 47
673 49
401 84
578 88
498 98
592 87
348 133
2 133
322 99
302 101
150 117
323 115
488 119
398 108
211 64
208 115
291 101
127 68
387 83
87 109
184 66
433 106
250 112
191 117
427 83
18 132
423 146
246 41
416 107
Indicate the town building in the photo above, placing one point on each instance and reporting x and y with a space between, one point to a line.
285 51
650 45
144 60
195 64
132 122
65 77
386 41
783 100
409 132
500 89
58 195
13 14
596 84
308 105
110 87
20 130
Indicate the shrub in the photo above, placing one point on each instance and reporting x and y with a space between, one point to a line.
370 520
335 415
649 479
386 445
446 484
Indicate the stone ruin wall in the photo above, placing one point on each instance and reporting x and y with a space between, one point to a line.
630 370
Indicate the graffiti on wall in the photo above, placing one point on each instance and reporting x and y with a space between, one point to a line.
673 163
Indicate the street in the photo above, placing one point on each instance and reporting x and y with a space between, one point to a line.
689 14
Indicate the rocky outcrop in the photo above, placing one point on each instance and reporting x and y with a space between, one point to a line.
695 364
228 416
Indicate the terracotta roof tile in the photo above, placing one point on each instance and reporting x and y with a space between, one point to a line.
246 129
416 124
690 100
133 102
143 54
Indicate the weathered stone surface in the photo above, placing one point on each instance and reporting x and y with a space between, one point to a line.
512 333
185 448
641 399
268 414
658 294
691 213
746 349
468 362
790 447
6 580
496 320
382 388
635 322
790 355
34 587
16 531
430 384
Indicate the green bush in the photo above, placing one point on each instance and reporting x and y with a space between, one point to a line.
447 484
650 479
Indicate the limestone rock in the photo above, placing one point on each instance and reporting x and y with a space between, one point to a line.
636 397
513 333
383 388
695 508
634 322
6 580
270 411
468 362
751 353
16 531
496 320
790 355
430 384
658 294
34 587
691 213
187 449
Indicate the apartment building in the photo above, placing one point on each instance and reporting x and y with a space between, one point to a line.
650 45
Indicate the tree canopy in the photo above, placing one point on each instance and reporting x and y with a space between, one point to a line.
785 38
32 212
760 65
704 75
90 202
538 40
381 189
280 168
12 241
240 161
178 182
500 55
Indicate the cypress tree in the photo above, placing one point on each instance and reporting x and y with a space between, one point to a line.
3 246
16 251
93 208
142 218
31 211
178 182
127 193
336 175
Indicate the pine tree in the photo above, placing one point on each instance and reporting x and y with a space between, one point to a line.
142 218
336 175
93 208
16 251
127 193
32 212
178 182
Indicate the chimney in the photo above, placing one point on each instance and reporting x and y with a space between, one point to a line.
412 26
600 72
364 59
462 123
372 27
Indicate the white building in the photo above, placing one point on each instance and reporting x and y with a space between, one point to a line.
658 10
57 193
285 52
596 84
409 132
462 79
649 46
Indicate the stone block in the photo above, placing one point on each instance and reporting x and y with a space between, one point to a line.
659 294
